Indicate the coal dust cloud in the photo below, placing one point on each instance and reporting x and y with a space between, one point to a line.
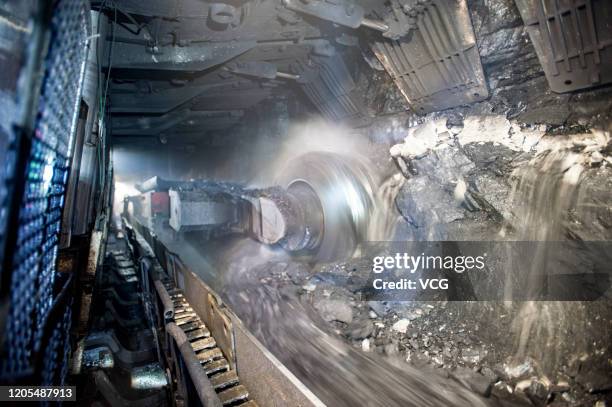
307 310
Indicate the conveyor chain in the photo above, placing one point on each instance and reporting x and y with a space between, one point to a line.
225 381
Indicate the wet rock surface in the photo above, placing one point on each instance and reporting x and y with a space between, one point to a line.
469 343
461 188
344 360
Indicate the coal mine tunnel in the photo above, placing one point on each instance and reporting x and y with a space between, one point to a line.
285 203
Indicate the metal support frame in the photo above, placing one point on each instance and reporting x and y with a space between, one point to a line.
269 382
113 396
437 66
573 41
165 299
202 384
196 57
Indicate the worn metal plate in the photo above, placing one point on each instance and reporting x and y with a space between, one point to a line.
191 210
328 83
269 382
196 57
207 308
437 65
573 40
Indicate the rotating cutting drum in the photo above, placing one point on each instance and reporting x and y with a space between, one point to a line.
333 200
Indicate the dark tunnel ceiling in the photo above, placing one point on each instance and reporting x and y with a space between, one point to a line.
188 68
185 69
172 63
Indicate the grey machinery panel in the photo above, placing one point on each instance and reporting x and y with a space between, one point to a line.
573 40
436 65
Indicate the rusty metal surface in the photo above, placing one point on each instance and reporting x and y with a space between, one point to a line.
437 65
233 395
202 384
200 297
193 290
206 306
211 359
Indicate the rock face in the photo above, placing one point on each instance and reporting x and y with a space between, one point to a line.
334 310
425 207
471 186
594 381
473 380
461 167
458 176
401 326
